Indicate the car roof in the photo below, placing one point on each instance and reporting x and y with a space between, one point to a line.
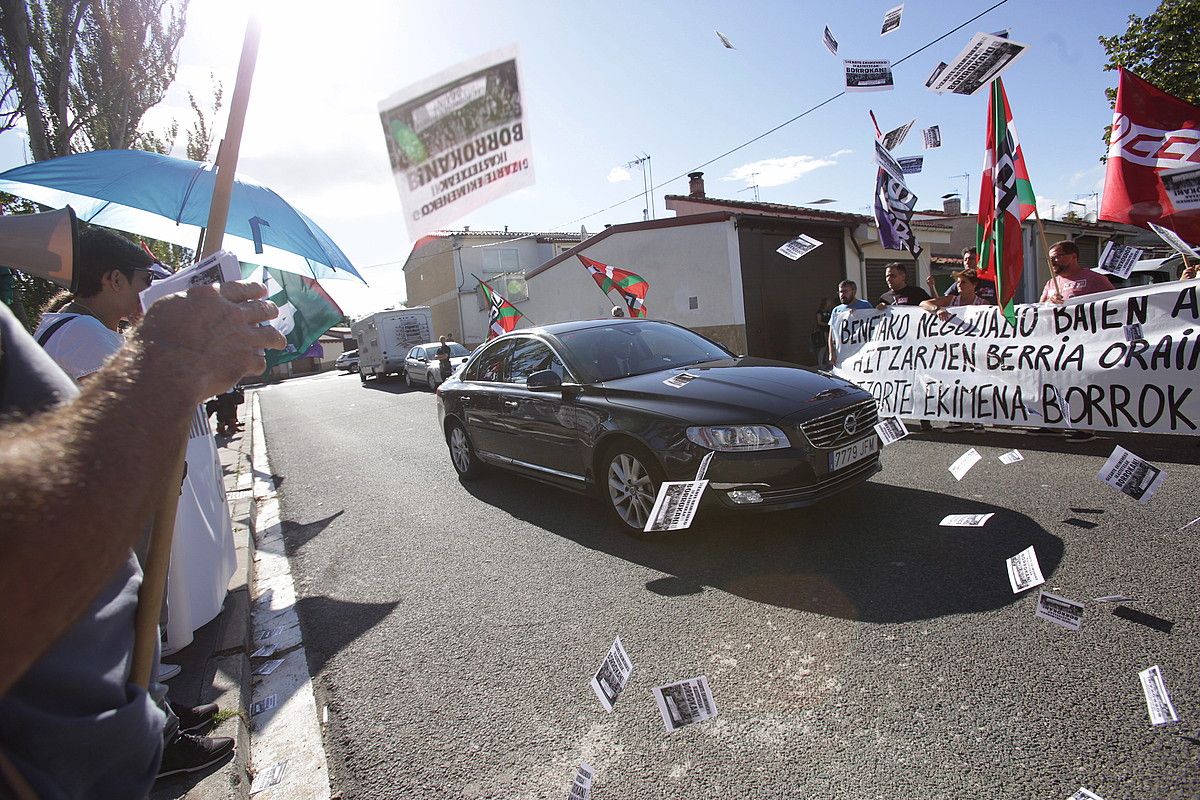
557 328
434 344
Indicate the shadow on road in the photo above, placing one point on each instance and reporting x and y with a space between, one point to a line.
876 554
393 385
330 625
296 535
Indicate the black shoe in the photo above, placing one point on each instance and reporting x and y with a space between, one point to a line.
188 753
1079 436
194 719
926 425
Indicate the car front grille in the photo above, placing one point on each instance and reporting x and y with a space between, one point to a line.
831 484
829 430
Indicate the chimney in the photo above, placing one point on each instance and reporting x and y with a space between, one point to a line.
952 205
695 184
466 228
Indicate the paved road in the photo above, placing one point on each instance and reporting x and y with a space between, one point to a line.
855 650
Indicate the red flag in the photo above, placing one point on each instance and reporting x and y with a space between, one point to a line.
1152 132
631 287
502 315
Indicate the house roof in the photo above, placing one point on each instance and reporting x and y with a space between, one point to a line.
777 209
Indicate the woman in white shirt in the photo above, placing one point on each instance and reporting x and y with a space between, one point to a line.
968 281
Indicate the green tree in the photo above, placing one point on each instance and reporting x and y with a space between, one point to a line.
1162 47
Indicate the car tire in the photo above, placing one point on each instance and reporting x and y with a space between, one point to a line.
432 383
462 453
628 482
407 378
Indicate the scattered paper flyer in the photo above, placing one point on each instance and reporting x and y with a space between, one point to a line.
1113 598
800 246
868 76
1059 610
1084 794
831 44
270 633
1118 259
1011 457
680 380
266 651
891 430
702 470
887 162
1134 476
966 520
581 786
219 267
891 19
893 138
1132 331
964 463
1172 238
725 41
1158 702
911 165
271 776
1190 524
933 137
685 702
265 704
1023 571
1183 187
675 507
269 667
984 58
609 681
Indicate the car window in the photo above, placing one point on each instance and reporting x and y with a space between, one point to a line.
489 366
617 351
457 349
529 356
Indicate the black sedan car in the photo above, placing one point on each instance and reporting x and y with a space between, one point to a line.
616 406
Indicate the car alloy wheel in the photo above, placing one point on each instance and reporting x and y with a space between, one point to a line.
432 383
632 477
407 378
462 454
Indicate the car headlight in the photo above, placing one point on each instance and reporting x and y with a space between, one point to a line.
736 438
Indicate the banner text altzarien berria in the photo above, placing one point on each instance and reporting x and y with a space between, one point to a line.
1059 366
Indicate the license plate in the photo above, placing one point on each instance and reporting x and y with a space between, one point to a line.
855 451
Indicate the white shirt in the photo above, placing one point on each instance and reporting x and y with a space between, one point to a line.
80 346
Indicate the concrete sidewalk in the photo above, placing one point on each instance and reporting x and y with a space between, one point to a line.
216 665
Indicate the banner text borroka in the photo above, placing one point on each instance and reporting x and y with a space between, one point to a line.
1059 366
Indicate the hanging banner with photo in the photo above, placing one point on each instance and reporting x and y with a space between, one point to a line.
458 140
894 205
1059 366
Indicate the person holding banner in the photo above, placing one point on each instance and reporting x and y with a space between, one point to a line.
899 292
1070 279
848 294
968 294
970 260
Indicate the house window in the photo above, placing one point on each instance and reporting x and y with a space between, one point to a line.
510 286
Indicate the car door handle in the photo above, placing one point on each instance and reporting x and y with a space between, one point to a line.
510 403
464 398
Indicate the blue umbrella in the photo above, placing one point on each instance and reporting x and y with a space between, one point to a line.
167 199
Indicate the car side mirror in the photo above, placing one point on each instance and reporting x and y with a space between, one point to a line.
422 360
546 380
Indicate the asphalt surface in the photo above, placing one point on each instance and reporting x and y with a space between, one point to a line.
854 650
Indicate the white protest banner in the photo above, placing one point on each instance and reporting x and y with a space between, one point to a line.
966 520
891 430
1183 187
458 140
1059 610
609 681
984 58
911 165
800 246
893 138
675 507
1134 476
1158 702
1172 238
963 463
1011 457
891 19
581 786
868 76
1060 366
1118 259
933 137
831 44
1084 794
684 702
1024 572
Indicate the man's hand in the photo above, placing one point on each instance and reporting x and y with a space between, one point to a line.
1189 273
932 284
881 307
212 338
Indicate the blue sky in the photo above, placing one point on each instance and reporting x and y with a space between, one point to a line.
605 83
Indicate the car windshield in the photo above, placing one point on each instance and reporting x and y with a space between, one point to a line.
620 350
457 349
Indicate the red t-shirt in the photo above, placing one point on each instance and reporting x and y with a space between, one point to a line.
1088 282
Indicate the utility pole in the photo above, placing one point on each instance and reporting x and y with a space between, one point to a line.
643 161
754 186
966 176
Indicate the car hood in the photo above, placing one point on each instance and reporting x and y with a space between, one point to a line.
735 390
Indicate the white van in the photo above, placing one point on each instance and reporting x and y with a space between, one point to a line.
385 337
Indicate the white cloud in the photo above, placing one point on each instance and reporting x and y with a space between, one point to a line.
840 153
619 175
777 171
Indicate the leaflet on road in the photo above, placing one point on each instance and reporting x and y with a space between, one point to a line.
966 520
1059 610
1084 794
675 507
964 463
1024 571
684 702
1158 702
269 777
1011 457
1113 598
609 681
1134 476
581 786
891 430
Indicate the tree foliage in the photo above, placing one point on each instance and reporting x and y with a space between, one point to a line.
1162 48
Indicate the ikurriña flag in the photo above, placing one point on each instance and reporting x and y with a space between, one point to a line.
1006 199
502 315
630 286
1152 132
306 311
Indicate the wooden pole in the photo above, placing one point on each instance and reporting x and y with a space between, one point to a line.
1046 247
150 596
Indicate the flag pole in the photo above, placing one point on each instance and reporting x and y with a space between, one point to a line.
522 313
1046 248
150 596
